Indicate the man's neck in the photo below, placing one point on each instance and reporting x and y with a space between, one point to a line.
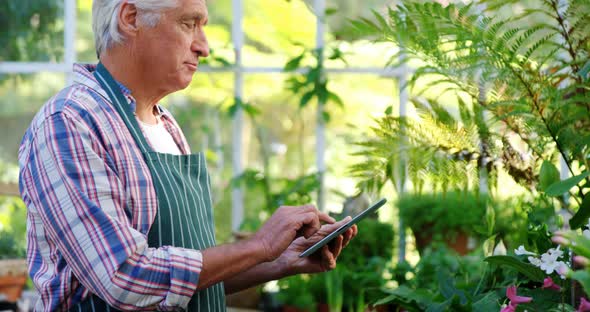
128 72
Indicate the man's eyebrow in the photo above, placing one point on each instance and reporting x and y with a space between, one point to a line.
195 16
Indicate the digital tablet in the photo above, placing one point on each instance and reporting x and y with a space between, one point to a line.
343 228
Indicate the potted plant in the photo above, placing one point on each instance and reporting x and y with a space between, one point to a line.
356 281
13 267
443 217
295 294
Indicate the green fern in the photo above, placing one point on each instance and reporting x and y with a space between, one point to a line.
534 64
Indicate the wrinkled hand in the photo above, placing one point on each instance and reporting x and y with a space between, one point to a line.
285 225
323 259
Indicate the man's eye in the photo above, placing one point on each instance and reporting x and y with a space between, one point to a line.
189 25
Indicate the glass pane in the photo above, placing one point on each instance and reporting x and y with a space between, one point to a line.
340 12
85 50
289 132
276 31
365 98
20 98
31 31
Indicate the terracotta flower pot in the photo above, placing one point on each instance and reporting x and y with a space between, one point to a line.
13 277
458 242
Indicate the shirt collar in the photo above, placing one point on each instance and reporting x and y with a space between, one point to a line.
83 74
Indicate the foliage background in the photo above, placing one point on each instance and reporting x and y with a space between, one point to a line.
275 31
279 135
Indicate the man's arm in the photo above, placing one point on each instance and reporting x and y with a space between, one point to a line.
267 246
289 262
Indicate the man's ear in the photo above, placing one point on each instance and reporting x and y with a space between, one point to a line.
128 19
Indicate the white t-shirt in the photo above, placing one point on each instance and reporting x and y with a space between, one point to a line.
160 139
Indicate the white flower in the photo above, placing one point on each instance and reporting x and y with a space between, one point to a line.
562 269
586 232
549 261
534 261
555 252
500 249
521 251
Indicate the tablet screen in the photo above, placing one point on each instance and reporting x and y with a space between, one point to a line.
343 228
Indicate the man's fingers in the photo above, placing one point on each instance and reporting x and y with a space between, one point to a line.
336 246
311 224
326 218
328 260
346 237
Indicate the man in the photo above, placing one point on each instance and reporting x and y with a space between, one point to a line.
119 211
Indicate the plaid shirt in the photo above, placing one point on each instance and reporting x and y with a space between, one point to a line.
91 203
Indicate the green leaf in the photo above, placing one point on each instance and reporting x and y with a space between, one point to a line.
312 75
293 64
529 270
251 110
584 71
330 11
233 109
326 116
306 98
222 61
335 98
548 175
440 306
381 20
582 215
488 245
389 110
583 277
561 187
412 299
322 93
489 303
490 218
446 285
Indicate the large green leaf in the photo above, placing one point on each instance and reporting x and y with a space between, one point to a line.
526 269
440 306
581 217
583 277
489 303
549 175
411 299
559 188
584 71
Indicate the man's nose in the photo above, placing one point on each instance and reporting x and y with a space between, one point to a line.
200 44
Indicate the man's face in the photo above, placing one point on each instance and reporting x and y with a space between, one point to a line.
170 51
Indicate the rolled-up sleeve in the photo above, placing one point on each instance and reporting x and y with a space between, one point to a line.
68 185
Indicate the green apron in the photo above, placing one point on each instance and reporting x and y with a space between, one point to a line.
184 218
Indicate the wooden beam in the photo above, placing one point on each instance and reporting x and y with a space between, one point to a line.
10 189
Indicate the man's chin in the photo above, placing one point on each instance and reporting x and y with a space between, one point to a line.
185 82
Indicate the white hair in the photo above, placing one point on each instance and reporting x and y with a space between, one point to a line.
105 19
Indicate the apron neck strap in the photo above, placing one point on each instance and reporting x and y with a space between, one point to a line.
120 103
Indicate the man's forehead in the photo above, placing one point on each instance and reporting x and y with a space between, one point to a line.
193 9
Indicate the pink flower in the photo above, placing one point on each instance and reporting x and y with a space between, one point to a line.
582 261
549 284
584 305
509 308
514 299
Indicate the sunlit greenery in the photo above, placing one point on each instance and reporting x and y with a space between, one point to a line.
498 91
